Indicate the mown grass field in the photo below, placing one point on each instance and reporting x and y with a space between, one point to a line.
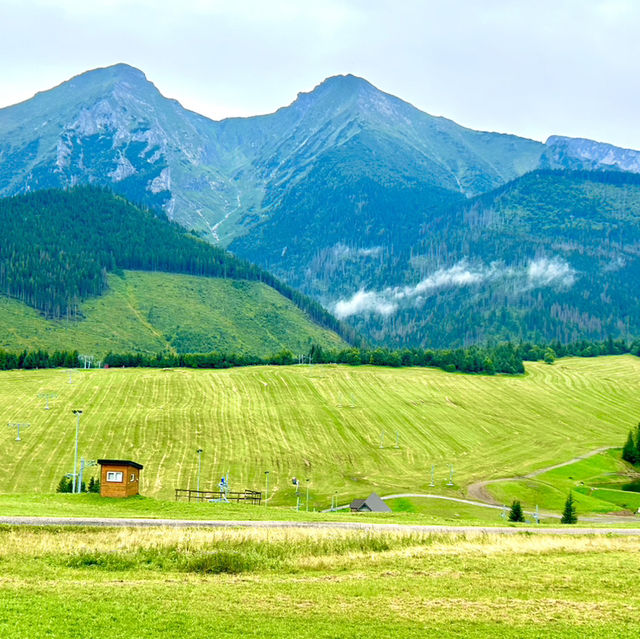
175 583
317 422
154 312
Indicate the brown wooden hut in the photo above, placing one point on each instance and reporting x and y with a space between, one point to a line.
119 478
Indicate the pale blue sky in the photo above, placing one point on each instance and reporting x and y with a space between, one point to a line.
535 67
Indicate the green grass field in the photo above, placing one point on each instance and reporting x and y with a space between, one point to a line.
549 490
175 583
147 312
318 422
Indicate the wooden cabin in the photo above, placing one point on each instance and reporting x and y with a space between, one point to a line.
119 478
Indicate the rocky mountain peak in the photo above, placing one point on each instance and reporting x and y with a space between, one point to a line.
580 153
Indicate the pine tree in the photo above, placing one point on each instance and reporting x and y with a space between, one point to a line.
630 449
94 485
64 485
516 514
569 512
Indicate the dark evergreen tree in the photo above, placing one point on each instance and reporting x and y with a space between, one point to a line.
516 513
569 512
630 451
94 485
64 485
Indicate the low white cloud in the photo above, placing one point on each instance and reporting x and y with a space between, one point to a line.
538 273
364 302
550 272
344 252
458 275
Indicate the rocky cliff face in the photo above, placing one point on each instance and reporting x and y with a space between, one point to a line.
582 154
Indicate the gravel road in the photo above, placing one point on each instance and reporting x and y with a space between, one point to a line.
348 525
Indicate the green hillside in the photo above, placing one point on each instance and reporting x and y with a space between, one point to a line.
153 312
320 422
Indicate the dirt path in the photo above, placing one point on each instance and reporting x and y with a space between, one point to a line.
479 492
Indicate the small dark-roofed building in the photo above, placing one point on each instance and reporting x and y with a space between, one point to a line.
119 477
372 504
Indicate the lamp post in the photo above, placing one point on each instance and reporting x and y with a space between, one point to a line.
75 488
307 480
266 492
199 451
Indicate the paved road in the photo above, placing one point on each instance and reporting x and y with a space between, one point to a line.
347 525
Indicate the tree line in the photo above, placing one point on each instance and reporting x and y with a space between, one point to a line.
505 358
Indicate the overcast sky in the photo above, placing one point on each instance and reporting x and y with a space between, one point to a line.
534 67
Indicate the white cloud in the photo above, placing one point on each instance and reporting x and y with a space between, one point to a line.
364 302
550 272
458 275
344 252
538 273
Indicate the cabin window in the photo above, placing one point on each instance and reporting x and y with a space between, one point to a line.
112 475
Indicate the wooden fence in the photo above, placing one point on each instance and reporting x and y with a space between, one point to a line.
252 497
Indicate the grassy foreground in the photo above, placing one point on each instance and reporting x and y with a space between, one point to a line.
300 583
323 423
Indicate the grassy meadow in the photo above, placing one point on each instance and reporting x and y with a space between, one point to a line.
321 423
145 312
70 583
549 490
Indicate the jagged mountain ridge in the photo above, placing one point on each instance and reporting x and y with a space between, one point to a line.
112 126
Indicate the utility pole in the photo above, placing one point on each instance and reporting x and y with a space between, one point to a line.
47 397
74 487
307 480
18 425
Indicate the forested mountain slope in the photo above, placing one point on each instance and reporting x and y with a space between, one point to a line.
58 248
552 255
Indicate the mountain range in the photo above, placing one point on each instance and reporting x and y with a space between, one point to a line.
358 198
